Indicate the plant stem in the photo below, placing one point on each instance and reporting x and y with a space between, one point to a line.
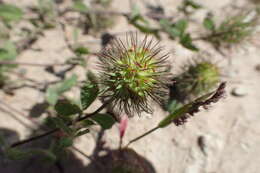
143 135
57 129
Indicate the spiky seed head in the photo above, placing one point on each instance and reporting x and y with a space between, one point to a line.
198 78
133 73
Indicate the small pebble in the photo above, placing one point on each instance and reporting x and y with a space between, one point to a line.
239 92
257 67
202 144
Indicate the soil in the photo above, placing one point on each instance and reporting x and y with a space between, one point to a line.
223 139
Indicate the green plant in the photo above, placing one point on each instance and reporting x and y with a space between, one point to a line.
197 78
178 30
232 31
133 74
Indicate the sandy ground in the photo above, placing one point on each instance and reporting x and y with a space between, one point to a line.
231 128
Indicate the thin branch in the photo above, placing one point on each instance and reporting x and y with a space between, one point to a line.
34 138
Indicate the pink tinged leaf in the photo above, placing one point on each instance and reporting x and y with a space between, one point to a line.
123 126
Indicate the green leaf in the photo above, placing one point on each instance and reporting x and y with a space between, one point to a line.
87 123
59 123
89 92
8 51
173 105
167 27
145 28
193 4
82 132
65 142
52 96
106 121
53 92
80 6
209 24
81 51
66 108
174 30
10 12
186 41
67 84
